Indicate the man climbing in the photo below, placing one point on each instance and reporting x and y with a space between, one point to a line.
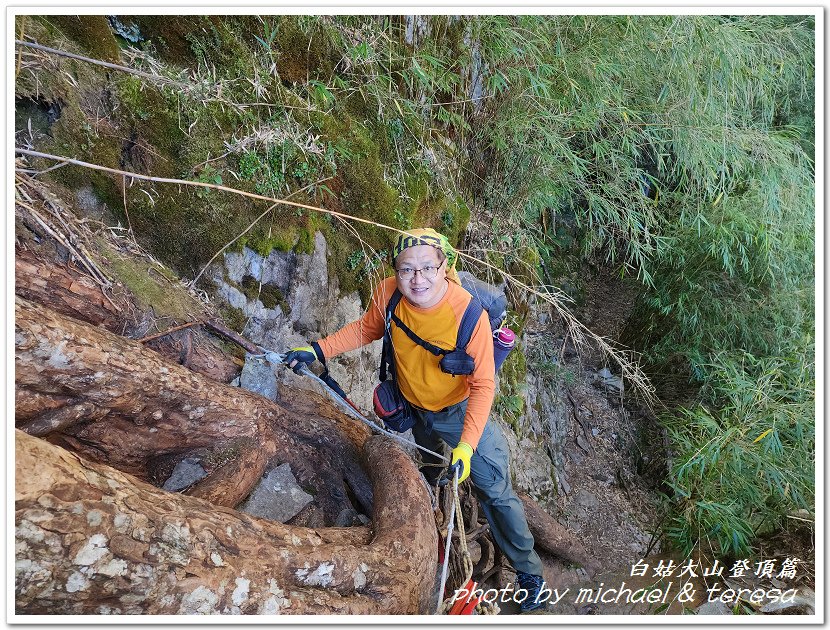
448 409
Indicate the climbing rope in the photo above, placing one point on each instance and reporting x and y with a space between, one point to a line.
443 583
278 359
455 512
445 606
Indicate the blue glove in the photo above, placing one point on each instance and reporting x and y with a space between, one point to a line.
296 358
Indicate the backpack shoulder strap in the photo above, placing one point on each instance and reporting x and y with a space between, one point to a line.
387 355
465 332
391 317
392 304
468 323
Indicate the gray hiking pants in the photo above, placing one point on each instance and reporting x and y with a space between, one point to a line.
489 474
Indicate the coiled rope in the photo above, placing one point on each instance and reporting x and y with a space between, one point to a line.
444 607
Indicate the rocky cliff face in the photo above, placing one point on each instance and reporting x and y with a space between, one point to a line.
309 306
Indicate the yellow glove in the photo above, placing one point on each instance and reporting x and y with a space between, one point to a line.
462 454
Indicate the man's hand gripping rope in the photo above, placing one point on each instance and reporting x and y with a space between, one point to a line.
301 367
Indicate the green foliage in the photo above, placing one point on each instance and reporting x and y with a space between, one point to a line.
277 166
512 391
363 265
746 460
208 175
672 149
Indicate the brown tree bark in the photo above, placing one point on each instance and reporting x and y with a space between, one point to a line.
68 291
93 540
142 407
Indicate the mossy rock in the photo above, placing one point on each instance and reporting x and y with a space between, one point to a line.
74 136
514 370
211 124
153 286
154 133
92 33
233 317
270 296
170 37
364 193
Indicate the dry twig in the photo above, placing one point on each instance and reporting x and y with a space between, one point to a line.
169 331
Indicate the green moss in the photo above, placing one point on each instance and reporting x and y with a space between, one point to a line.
92 33
363 192
520 261
457 221
511 400
367 194
282 240
250 287
73 135
154 133
222 45
305 242
166 133
270 296
133 93
233 317
303 53
167 36
514 372
448 216
143 281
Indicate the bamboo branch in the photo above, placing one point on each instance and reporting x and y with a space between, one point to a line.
185 182
105 64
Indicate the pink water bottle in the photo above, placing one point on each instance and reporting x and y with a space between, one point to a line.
504 340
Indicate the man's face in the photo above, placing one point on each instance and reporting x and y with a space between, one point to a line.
418 289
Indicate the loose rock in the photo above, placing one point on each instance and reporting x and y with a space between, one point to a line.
185 474
258 376
277 496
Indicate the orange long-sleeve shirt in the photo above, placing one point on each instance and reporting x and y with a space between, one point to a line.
419 376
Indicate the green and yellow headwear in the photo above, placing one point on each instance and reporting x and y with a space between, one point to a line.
428 236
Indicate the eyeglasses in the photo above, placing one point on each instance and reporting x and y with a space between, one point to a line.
429 272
